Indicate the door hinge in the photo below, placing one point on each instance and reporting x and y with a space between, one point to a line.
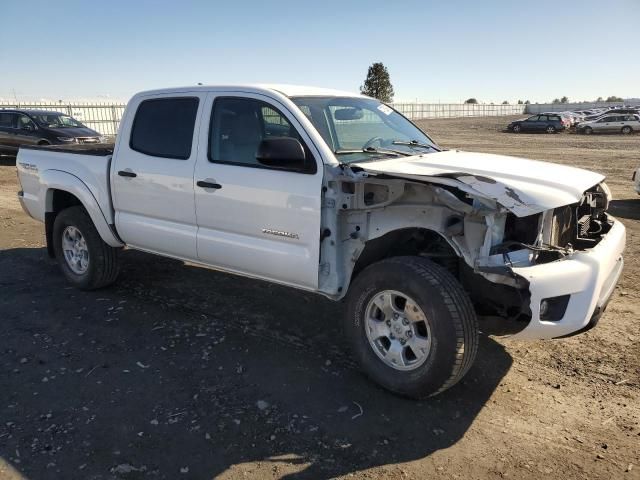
329 202
325 268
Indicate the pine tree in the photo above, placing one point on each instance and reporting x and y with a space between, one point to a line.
378 83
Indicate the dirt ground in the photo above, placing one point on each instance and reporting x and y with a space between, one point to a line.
182 372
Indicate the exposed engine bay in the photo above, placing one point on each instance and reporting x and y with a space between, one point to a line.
368 216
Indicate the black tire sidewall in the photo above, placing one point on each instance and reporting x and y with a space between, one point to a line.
437 369
77 217
626 130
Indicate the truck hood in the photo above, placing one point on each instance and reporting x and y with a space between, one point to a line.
524 187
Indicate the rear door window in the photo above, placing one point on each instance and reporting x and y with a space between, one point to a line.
7 120
163 127
542 118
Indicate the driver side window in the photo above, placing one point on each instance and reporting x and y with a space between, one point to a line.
24 121
238 125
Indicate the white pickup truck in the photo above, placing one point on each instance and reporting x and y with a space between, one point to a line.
338 194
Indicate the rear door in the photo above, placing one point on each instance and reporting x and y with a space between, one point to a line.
258 221
8 131
542 123
152 175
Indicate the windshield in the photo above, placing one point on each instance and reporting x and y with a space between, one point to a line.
56 120
359 129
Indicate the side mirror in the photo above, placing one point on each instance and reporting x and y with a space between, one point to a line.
281 152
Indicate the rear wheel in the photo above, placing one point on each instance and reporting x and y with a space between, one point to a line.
84 258
551 129
412 326
626 130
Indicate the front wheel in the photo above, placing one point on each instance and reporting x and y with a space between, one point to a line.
85 259
412 326
517 129
587 131
626 130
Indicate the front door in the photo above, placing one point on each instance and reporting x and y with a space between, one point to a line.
602 125
252 219
26 133
152 179
530 124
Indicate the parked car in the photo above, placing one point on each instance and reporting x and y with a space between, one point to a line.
40 127
550 123
567 118
611 123
636 180
338 194
596 116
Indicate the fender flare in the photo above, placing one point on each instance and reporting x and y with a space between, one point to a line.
59 180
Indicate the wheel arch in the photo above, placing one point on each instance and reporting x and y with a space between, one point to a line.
65 190
417 241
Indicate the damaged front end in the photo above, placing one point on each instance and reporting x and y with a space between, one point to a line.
485 233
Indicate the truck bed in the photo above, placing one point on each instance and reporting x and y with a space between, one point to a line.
41 168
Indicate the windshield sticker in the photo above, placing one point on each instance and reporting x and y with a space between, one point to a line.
384 109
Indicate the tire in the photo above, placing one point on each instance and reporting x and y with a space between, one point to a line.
626 130
101 265
587 130
550 129
517 129
451 326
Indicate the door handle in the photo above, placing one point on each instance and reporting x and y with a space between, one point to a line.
125 173
205 184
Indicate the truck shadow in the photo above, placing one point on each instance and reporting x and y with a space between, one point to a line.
179 367
628 208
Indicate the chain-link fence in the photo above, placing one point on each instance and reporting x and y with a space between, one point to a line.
417 111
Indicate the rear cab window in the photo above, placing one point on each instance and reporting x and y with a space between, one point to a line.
163 127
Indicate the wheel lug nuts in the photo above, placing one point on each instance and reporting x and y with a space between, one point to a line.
405 321
409 333
388 323
403 341
395 316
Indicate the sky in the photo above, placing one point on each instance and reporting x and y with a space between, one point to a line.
435 51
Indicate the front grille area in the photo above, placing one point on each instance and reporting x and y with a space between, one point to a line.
88 140
581 225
